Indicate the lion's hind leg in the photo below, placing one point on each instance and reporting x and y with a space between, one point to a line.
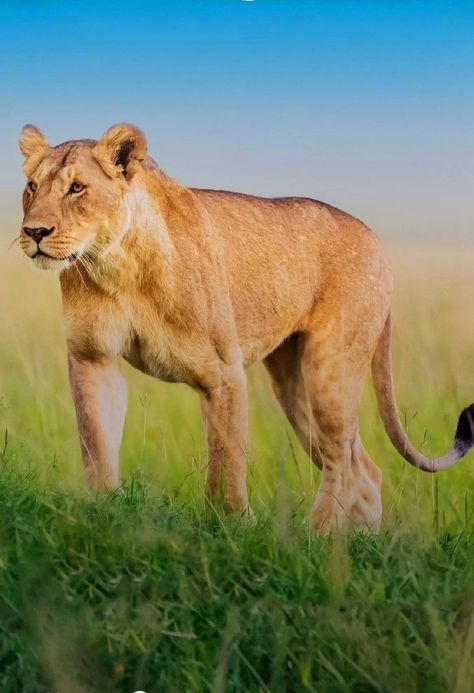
284 367
334 366
319 385
366 509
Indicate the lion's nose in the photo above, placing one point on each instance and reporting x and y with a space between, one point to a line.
38 233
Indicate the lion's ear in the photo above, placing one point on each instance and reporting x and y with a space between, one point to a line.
32 142
120 150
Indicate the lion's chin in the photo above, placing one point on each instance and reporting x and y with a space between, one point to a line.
45 262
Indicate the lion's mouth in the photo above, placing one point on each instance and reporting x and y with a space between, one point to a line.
41 253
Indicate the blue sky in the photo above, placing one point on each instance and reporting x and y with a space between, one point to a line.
367 105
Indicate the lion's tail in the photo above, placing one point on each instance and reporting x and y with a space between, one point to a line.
384 389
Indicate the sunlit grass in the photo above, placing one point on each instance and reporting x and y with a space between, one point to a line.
154 590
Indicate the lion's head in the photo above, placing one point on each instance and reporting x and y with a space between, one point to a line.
74 199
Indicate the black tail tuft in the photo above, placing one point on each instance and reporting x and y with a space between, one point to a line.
464 437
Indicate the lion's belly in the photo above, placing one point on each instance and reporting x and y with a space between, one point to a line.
266 317
271 300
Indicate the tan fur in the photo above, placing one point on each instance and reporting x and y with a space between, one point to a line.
193 286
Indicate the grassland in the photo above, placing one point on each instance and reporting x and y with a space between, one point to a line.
152 590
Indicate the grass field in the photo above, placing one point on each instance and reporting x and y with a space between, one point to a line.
151 590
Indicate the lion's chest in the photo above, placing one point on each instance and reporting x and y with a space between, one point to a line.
129 329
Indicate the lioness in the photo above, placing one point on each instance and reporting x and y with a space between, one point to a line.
194 285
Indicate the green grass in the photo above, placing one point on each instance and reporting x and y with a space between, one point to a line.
152 590
137 591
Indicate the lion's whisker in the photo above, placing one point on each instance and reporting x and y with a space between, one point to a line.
15 240
85 264
76 266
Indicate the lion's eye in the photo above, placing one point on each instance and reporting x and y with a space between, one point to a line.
76 188
32 187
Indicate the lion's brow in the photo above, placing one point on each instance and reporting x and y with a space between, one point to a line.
65 157
70 147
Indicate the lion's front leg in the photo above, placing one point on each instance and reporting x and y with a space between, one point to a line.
225 414
100 398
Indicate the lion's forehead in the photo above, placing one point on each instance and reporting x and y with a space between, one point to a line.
65 161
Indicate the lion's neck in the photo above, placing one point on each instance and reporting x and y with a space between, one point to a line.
142 241
145 222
